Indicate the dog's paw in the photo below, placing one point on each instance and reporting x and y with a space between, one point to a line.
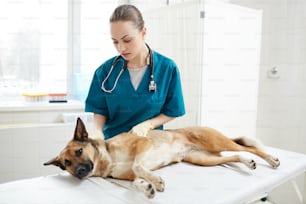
249 163
273 161
252 164
146 187
160 184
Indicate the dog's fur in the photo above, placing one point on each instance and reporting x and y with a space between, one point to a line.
130 157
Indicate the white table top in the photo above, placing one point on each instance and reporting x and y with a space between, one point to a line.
185 184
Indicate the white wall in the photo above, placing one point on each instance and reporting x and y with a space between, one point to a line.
281 118
281 102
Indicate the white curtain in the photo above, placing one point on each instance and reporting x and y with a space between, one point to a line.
175 31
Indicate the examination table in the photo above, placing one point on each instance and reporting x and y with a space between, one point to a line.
185 184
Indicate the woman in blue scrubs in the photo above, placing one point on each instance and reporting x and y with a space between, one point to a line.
120 96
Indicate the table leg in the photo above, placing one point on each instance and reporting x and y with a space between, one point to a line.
304 194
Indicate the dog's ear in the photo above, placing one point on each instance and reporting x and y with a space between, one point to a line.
56 162
80 132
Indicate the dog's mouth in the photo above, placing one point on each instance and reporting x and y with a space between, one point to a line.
83 170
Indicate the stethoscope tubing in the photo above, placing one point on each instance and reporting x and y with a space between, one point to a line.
152 85
109 73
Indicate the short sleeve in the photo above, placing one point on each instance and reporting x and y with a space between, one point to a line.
174 104
95 101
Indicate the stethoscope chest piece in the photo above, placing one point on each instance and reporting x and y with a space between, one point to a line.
152 86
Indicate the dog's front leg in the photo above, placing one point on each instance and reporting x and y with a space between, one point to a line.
144 186
146 181
142 172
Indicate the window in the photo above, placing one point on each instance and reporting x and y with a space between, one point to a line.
45 44
33 41
95 43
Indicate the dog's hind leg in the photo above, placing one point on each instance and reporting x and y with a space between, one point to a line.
203 158
213 141
273 161
245 144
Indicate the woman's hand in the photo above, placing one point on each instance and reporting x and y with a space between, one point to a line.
142 128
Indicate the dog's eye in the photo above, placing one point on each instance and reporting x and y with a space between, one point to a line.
79 152
67 162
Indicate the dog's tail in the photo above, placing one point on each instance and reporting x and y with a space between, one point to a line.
246 141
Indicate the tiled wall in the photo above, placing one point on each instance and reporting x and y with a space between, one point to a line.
281 110
281 120
31 134
23 150
280 99
37 112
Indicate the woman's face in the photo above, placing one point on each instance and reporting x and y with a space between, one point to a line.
127 39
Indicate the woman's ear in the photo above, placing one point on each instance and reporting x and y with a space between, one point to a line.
144 32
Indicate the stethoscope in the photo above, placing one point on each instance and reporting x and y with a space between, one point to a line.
152 84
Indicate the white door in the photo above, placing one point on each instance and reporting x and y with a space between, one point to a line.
230 75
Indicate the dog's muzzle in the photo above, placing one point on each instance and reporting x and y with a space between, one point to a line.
82 170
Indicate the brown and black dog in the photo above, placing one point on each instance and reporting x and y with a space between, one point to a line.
130 157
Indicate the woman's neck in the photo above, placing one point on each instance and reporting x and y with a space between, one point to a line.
141 59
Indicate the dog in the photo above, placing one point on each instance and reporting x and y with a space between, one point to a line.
131 157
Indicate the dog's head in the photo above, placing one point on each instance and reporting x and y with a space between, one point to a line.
78 157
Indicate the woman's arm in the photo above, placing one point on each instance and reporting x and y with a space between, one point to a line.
98 122
142 128
160 120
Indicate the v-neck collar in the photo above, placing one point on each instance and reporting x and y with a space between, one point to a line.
144 82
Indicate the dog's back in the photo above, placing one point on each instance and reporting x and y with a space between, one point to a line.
125 146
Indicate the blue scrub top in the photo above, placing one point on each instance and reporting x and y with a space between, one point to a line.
125 107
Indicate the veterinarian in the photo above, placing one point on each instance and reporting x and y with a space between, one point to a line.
138 90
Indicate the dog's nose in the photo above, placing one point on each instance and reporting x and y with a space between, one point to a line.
83 170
